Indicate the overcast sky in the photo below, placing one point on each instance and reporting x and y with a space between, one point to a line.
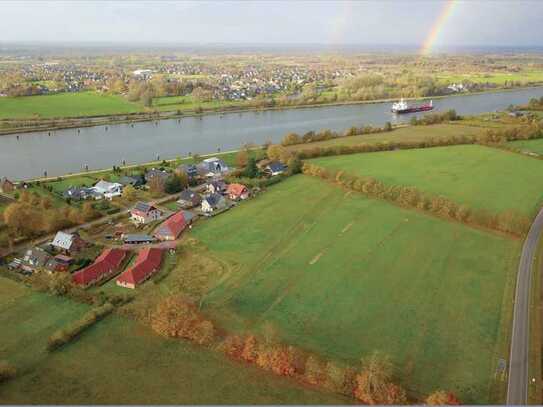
471 22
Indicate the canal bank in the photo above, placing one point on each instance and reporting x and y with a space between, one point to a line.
31 155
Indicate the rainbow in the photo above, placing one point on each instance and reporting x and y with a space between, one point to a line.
437 27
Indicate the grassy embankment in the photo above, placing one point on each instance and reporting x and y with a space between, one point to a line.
148 369
531 146
343 276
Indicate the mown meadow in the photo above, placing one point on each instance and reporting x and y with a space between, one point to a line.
119 361
65 105
478 176
342 275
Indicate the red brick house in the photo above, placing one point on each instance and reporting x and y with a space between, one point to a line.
147 263
104 266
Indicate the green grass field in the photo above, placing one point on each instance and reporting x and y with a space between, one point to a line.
27 320
343 275
118 361
409 133
478 176
533 146
496 78
79 181
170 103
65 105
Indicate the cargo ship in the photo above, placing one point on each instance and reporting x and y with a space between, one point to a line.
402 107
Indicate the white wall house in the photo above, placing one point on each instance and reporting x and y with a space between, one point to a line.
108 190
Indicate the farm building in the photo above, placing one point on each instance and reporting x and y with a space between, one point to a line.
237 192
173 226
67 242
189 199
6 186
143 213
146 264
59 263
213 202
34 259
104 266
138 239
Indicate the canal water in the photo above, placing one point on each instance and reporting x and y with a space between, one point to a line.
29 155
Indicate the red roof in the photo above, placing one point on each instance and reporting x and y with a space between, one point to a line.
108 261
147 262
173 226
236 189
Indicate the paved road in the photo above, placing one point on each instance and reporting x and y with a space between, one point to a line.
517 386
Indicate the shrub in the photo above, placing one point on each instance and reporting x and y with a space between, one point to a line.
66 335
7 371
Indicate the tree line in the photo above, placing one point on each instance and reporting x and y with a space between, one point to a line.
326 134
32 215
374 382
509 221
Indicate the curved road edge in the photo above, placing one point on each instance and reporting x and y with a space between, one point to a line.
517 385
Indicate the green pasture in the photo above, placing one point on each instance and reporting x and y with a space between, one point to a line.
65 105
480 177
343 276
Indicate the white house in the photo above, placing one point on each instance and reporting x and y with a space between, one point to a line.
108 190
144 213
213 166
213 202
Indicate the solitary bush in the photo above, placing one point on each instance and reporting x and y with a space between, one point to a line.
7 371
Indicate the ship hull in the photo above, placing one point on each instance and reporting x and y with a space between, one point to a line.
414 109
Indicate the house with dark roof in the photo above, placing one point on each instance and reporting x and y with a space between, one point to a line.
237 192
275 168
213 166
146 264
215 187
143 213
133 180
189 199
138 239
190 169
105 265
77 193
213 202
155 173
174 225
